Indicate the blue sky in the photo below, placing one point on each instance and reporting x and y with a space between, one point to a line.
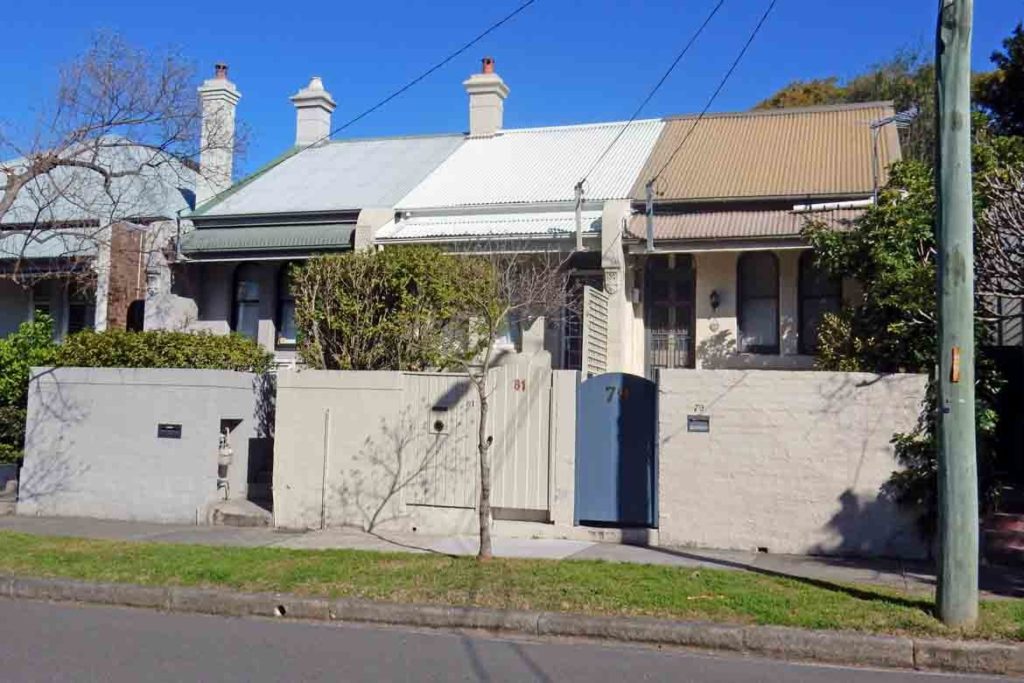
566 62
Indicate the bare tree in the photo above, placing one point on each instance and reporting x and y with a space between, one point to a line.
1000 247
120 138
507 288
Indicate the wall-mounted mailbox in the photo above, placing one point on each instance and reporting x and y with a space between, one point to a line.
167 430
439 419
698 423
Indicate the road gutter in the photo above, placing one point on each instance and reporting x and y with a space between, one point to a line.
792 644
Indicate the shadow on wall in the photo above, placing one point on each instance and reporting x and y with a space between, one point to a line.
714 351
406 459
871 527
48 469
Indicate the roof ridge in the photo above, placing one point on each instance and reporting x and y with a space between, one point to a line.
788 111
379 138
595 124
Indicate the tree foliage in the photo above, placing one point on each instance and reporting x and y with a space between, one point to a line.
394 309
999 93
892 326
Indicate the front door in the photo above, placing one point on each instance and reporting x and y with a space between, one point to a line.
669 285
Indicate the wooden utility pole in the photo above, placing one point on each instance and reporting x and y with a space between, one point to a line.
957 593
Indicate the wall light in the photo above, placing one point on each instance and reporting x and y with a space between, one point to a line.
716 300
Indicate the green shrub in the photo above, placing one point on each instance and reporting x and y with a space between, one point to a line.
162 349
31 345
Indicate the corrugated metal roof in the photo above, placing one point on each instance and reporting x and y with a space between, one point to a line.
536 165
817 151
268 238
48 244
520 224
338 176
67 194
709 225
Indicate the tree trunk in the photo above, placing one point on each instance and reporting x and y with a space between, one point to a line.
483 446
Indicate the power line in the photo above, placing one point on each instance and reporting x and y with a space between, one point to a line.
654 90
714 95
480 36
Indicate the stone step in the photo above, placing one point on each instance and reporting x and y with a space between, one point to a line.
240 513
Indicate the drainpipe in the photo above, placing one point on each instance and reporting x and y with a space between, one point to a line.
579 216
649 211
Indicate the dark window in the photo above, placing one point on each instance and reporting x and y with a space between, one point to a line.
136 318
81 309
757 282
246 313
286 333
819 294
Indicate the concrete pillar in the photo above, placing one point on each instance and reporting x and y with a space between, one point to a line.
367 225
614 215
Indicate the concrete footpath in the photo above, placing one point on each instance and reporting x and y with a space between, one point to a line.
996 582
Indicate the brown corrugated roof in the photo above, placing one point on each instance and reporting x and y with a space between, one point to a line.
716 225
807 152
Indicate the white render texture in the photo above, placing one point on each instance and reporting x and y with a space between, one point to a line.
794 462
91 445
392 450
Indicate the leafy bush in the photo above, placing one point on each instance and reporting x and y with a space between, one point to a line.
162 349
31 345
381 310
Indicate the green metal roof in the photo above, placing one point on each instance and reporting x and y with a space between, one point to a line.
269 238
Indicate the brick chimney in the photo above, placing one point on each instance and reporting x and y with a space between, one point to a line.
313 107
218 98
487 93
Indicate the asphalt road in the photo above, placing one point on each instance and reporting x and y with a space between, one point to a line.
50 642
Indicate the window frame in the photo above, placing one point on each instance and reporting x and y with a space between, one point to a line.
765 350
802 296
281 342
235 301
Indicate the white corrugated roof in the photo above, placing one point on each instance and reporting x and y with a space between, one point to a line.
489 225
536 165
337 176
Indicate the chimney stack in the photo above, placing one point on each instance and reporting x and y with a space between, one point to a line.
487 93
218 98
313 107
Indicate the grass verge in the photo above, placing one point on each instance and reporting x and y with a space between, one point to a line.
587 587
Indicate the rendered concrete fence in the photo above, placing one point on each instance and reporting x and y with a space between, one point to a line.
794 462
92 447
399 450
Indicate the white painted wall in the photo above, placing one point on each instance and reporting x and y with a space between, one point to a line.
393 450
794 461
91 446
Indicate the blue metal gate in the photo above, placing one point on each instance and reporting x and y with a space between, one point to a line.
616 467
